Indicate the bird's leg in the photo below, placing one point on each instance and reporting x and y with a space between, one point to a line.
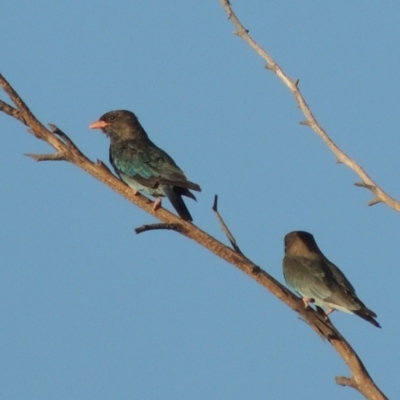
329 311
157 204
307 301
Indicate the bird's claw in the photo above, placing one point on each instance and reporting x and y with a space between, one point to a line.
157 204
307 301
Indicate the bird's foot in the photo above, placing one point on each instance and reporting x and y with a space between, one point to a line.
157 204
307 301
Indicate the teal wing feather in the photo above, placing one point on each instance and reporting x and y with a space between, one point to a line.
132 159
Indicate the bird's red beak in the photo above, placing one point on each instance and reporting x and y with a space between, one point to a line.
98 125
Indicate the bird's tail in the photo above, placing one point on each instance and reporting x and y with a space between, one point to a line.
368 315
174 195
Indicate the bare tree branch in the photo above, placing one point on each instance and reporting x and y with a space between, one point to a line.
66 150
366 181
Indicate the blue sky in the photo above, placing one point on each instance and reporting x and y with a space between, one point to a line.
89 310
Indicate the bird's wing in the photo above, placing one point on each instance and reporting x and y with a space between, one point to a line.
340 277
331 284
315 278
307 276
149 165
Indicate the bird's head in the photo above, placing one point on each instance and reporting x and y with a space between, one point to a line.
301 243
119 124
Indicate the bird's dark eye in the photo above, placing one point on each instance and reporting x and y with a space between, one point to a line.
112 117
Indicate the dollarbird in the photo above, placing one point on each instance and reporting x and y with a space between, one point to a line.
141 164
319 281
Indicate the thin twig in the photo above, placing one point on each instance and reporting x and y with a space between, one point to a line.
256 269
47 157
225 227
57 131
311 121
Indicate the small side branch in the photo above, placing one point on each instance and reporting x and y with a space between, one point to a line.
47 157
57 131
344 381
11 111
225 228
153 227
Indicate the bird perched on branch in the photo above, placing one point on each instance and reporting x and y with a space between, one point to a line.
141 164
316 279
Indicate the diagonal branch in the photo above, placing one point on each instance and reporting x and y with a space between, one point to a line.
99 171
366 181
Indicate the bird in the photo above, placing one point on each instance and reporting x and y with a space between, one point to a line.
141 164
319 281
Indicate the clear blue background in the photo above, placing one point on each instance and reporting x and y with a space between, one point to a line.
88 309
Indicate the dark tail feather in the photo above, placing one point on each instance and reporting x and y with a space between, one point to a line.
368 315
188 185
174 195
179 182
187 193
